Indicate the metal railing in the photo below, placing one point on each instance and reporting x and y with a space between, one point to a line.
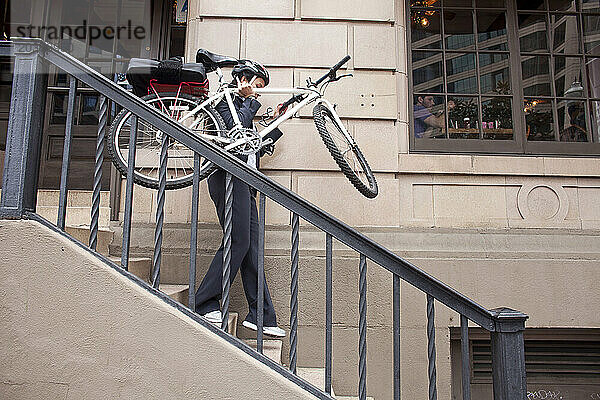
19 199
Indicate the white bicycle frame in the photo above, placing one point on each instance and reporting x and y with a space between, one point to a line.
228 92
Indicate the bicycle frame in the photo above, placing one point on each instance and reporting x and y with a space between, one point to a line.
311 95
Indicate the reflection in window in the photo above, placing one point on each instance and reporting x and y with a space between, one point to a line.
572 121
566 34
532 32
593 76
595 114
554 97
566 71
563 5
89 110
531 5
590 5
427 71
429 118
463 118
461 75
591 31
491 30
427 34
497 121
495 75
536 75
458 27
539 120
59 108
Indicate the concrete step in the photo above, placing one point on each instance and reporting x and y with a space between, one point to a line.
139 266
79 205
271 348
75 215
351 398
176 292
75 198
231 324
82 233
315 376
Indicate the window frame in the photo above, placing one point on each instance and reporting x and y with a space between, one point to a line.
518 145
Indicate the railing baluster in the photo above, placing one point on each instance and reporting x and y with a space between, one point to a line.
260 298
66 158
129 193
102 117
194 233
466 364
160 212
328 312
431 347
294 298
396 294
225 282
362 328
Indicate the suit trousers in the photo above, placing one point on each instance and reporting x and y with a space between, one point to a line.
244 251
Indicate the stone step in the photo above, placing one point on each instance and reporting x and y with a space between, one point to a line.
271 348
351 398
79 206
231 324
75 215
178 293
82 233
139 266
315 376
75 198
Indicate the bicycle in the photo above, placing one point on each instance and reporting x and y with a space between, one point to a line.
197 113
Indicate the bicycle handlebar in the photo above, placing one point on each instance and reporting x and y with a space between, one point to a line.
333 69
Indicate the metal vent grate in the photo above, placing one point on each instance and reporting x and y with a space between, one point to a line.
551 355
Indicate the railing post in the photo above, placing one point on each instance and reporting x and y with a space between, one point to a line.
508 355
24 135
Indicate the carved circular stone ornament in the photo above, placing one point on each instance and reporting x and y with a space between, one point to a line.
543 202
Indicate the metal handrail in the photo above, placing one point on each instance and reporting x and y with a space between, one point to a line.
280 194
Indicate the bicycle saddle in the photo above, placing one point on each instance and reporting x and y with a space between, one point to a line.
211 61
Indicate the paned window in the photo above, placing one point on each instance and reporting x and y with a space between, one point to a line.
505 76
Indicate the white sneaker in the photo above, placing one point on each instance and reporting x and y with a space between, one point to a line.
267 330
214 316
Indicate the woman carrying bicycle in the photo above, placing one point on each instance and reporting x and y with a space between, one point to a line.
248 75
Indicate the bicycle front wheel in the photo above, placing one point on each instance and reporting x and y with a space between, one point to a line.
180 164
345 152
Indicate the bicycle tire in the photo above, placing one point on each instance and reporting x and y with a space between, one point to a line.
352 167
118 143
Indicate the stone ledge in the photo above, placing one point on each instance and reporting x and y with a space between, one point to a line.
498 165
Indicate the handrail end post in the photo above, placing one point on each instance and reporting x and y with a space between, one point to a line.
508 355
24 133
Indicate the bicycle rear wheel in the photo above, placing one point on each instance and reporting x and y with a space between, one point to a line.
180 165
345 152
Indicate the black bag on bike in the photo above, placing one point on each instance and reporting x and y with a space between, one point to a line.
168 72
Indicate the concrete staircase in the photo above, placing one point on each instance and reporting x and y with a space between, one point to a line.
77 225
272 348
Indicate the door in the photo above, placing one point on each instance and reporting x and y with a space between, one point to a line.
104 34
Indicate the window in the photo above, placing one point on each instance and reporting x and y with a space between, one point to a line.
505 76
561 363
